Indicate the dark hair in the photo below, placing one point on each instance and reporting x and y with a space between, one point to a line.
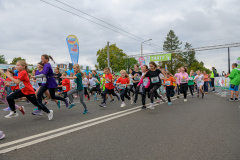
146 66
130 69
11 71
185 69
136 65
160 67
47 57
153 63
107 68
42 64
235 64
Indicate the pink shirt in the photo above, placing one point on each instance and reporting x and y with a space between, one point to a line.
182 78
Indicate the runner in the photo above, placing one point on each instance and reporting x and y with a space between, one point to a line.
131 83
48 82
26 90
95 75
155 81
206 77
57 76
109 87
66 85
176 77
191 82
123 82
78 89
168 82
92 85
85 86
136 76
183 82
199 81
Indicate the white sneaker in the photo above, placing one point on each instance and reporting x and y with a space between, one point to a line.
185 100
123 105
50 115
11 115
151 106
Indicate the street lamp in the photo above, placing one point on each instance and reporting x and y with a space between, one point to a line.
142 43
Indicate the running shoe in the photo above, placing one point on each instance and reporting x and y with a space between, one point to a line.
45 103
88 99
11 115
85 112
50 115
112 100
236 99
151 106
163 100
192 96
7 109
2 135
67 102
35 109
38 112
103 105
158 101
169 103
143 107
177 96
59 104
95 95
134 102
21 109
27 101
230 99
71 106
96 99
185 100
85 96
123 105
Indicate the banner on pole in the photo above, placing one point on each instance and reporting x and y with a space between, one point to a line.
73 47
141 61
161 57
238 62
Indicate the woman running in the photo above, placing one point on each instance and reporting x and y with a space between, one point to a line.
206 78
48 82
26 90
155 81
183 82
168 82
78 89
191 82
136 76
123 82
199 81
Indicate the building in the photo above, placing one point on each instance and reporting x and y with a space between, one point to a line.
62 66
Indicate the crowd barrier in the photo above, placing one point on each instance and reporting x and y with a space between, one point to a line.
222 85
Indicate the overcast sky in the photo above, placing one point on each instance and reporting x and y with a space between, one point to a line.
30 28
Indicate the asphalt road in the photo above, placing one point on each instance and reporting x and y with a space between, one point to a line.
198 129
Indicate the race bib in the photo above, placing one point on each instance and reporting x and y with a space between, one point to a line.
44 80
137 78
145 82
131 82
57 81
21 85
155 79
64 88
107 81
183 81
199 81
39 80
13 84
168 83
122 86
190 78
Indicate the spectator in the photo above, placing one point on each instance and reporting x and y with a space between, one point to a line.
223 74
213 75
206 76
234 82
15 71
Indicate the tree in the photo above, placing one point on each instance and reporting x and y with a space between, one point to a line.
190 56
198 66
117 62
14 61
172 43
2 59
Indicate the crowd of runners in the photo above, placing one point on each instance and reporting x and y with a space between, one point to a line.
151 82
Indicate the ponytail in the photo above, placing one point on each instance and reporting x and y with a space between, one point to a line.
48 57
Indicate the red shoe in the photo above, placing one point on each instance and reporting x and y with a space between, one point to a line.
88 99
85 96
21 109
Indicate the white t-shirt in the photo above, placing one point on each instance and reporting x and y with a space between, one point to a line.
73 83
161 76
92 82
199 80
85 82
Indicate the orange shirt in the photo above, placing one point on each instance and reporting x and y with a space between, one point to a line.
13 88
25 84
169 81
66 85
206 77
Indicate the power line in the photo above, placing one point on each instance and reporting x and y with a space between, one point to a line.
103 21
93 22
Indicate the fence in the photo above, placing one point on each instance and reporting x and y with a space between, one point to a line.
222 85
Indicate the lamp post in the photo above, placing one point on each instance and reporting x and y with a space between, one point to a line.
142 43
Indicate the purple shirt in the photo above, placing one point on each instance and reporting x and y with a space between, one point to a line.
47 70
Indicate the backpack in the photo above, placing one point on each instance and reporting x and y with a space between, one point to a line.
215 73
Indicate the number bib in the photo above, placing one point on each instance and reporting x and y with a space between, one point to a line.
155 79
39 80
168 83
145 81
122 86
57 81
131 82
21 85
13 84
199 82
44 80
183 81
137 78
190 78
64 88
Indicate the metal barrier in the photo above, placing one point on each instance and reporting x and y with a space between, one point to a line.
222 85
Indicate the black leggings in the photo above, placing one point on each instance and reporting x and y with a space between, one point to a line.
43 89
130 90
32 98
86 92
191 88
65 94
144 92
153 92
183 89
108 91
124 94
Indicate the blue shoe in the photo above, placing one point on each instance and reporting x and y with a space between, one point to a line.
169 103
95 99
38 112
85 112
67 102
35 109
59 104
95 95
71 106
7 109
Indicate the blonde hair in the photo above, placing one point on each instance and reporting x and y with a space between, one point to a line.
79 70
64 74
23 63
126 75
1 73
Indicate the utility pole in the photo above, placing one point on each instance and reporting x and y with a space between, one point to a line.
228 60
108 54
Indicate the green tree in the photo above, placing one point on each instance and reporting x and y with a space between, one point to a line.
2 59
190 56
198 66
14 61
117 62
172 43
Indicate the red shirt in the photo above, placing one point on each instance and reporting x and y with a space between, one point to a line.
25 84
66 83
109 85
13 88
123 80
